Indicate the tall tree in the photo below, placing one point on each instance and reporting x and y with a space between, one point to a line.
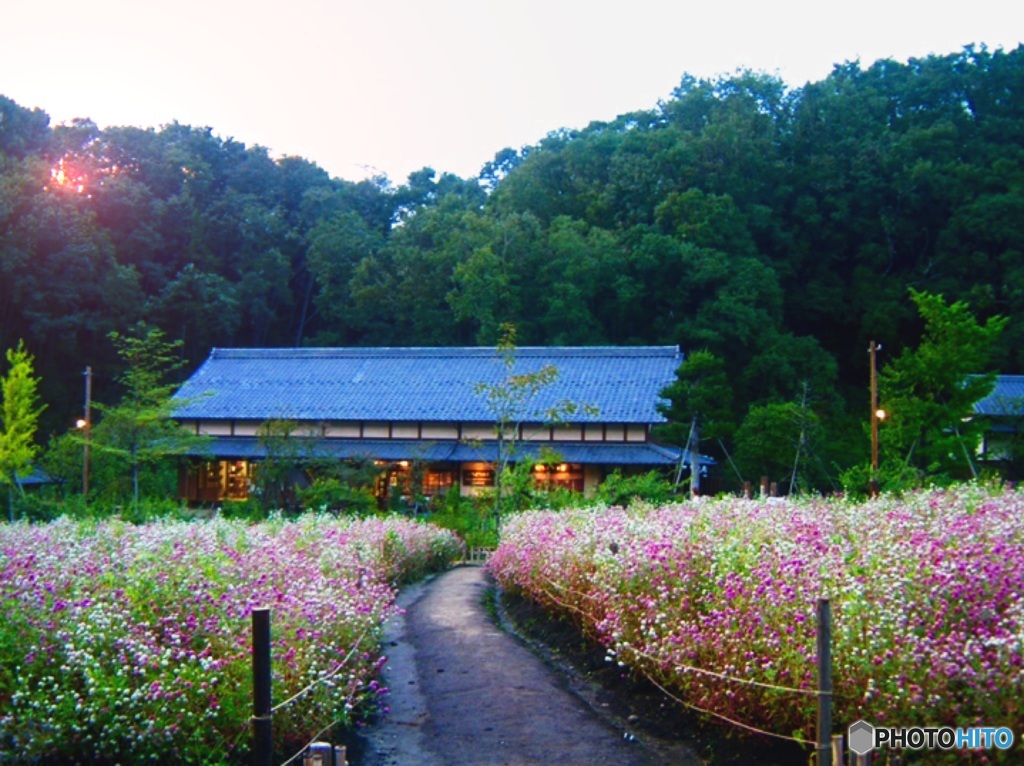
20 417
139 429
493 256
336 247
928 391
775 438
699 407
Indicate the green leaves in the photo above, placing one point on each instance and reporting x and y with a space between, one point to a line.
20 416
701 393
928 392
138 433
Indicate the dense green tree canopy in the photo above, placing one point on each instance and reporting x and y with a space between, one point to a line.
778 228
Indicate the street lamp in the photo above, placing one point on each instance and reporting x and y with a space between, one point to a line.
85 424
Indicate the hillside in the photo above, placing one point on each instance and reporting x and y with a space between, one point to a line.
779 229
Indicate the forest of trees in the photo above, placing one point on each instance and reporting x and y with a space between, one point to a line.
780 230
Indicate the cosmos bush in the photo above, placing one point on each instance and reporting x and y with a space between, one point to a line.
926 594
132 643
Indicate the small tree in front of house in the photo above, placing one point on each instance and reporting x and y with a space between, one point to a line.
286 467
510 402
139 431
341 486
19 419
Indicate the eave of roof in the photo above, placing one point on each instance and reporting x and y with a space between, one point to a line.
449 451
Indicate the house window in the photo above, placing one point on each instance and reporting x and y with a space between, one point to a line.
562 475
238 477
210 482
218 480
437 482
481 475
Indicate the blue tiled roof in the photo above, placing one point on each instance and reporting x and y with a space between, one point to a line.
422 384
1006 399
37 477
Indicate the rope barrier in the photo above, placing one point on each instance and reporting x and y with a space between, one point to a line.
694 669
333 672
691 668
567 606
320 680
732 679
740 724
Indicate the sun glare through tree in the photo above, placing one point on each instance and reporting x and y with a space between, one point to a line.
65 176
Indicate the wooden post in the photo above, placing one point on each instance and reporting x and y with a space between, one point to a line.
837 749
873 483
748 490
262 720
764 486
320 754
824 682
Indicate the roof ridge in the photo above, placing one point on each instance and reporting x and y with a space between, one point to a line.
439 352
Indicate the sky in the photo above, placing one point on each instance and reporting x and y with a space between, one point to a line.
369 87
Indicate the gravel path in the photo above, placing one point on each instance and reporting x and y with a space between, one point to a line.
464 692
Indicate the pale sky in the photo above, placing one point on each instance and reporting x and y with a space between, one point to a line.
361 87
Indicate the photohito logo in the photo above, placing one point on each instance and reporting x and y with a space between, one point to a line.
864 738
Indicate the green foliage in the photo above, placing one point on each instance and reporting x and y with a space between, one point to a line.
250 509
773 441
49 505
19 418
332 495
699 407
702 393
510 402
138 434
110 479
281 470
470 518
928 392
42 506
776 228
623 490
893 477
63 458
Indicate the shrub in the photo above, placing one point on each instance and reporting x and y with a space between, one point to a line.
124 642
928 617
617 489
332 495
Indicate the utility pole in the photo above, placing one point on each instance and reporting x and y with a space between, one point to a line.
876 415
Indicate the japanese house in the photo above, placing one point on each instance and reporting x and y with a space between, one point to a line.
429 407
1003 409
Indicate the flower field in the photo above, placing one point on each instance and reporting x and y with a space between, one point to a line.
705 598
133 643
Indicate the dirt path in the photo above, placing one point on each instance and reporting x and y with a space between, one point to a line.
465 692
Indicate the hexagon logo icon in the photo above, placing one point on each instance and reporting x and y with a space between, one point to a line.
861 736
